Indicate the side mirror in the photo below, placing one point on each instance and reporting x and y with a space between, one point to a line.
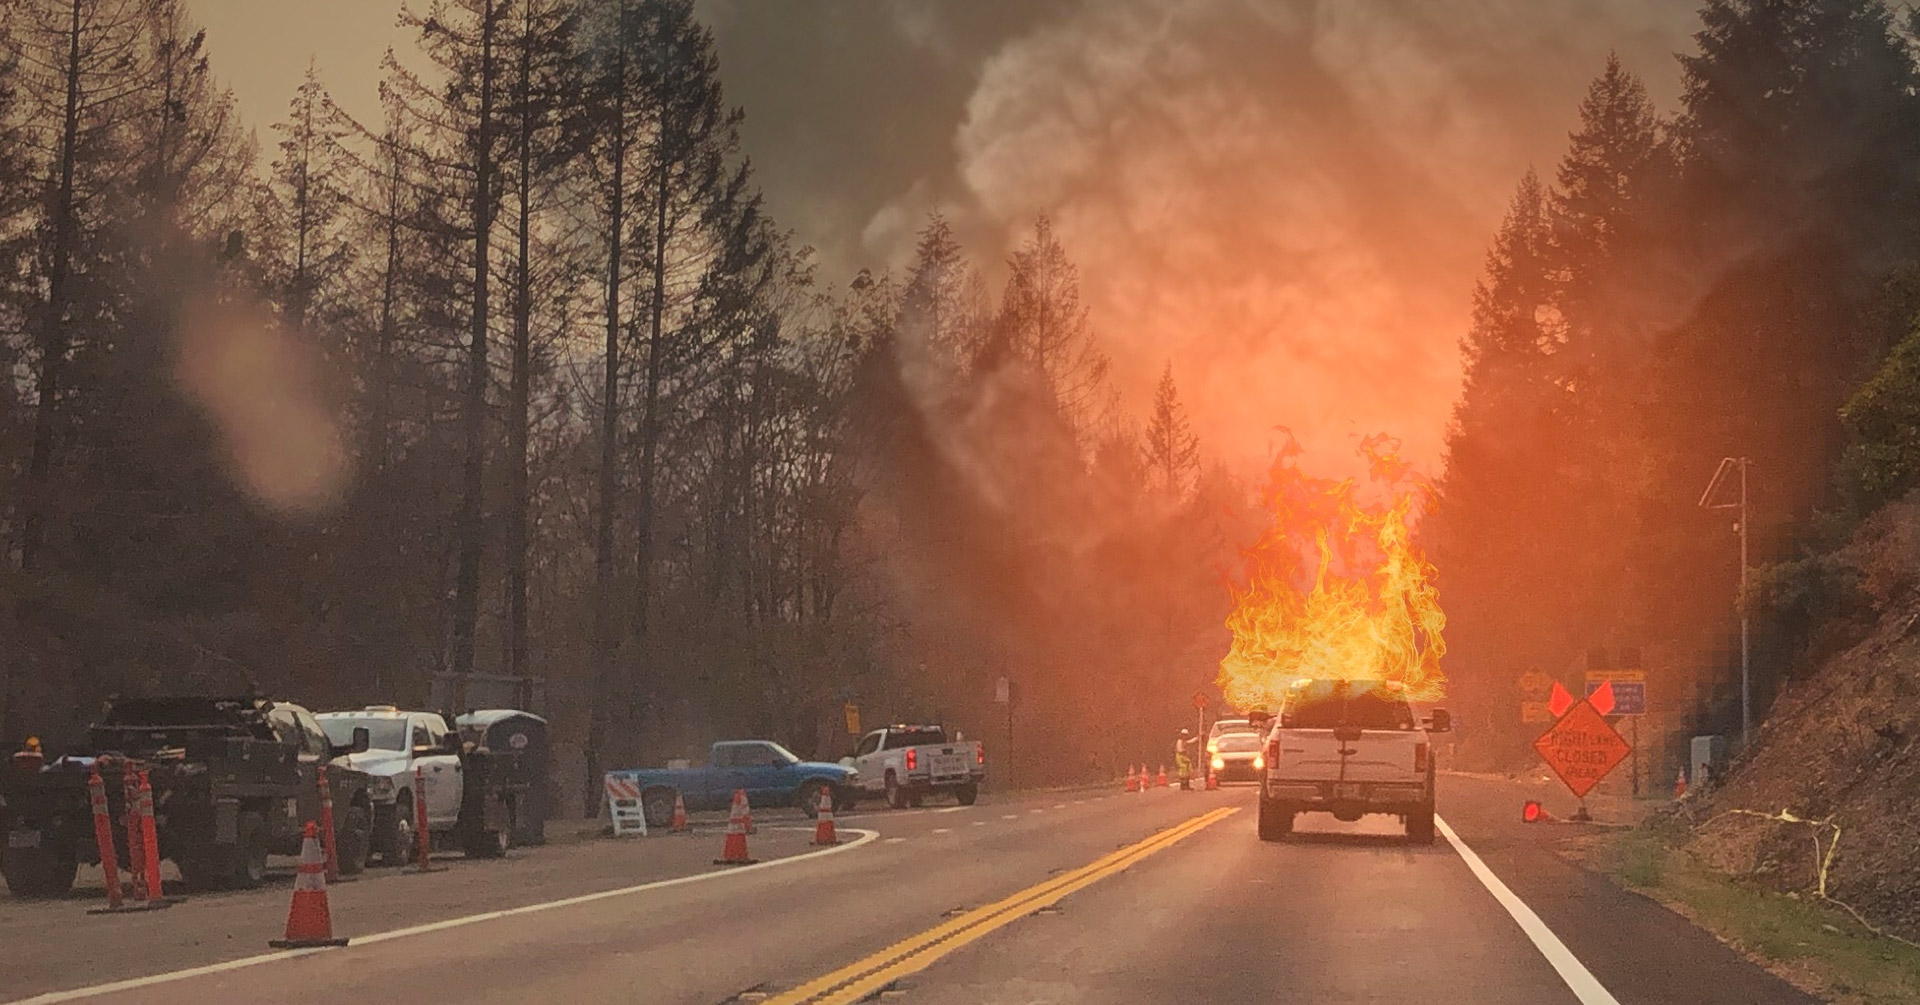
1440 721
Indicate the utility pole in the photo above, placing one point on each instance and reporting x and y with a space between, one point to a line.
1710 500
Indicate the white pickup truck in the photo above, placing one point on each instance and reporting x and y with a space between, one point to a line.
906 763
400 742
1349 748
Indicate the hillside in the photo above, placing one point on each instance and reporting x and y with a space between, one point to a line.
1840 745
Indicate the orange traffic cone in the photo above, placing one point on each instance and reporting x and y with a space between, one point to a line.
1161 782
309 923
1132 783
1680 784
734 852
679 814
1213 781
823 820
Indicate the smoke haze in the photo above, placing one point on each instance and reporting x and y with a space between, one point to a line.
1287 199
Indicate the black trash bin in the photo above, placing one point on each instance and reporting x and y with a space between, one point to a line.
518 741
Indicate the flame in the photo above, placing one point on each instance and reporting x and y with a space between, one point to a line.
1337 586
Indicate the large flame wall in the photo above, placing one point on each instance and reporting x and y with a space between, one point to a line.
1337 586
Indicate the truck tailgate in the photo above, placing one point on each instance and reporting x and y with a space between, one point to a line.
951 762
1378 756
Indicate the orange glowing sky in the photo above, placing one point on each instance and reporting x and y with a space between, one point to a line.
1289 200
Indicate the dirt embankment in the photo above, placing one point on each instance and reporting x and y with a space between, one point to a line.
1841 749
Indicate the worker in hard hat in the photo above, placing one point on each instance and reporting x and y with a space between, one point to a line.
1182 761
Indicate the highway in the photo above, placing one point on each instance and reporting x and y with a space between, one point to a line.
1087 896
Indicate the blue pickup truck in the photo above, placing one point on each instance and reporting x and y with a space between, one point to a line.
771 774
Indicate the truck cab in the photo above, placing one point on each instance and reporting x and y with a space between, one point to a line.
409 756
1349 748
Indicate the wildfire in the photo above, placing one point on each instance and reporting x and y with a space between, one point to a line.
1337 586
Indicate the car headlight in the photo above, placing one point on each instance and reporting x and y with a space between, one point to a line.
380 787
1219 763
1259 761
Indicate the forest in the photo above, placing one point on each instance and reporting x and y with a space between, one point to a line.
520 382
1734 278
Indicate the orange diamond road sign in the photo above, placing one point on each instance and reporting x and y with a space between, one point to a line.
1582 748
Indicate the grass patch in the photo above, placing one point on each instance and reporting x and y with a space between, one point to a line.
1817 946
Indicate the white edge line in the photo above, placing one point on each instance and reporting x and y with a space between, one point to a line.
438 926
1578 978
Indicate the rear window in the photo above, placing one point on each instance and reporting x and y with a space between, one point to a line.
1326 704
1237 743
382 733
919 736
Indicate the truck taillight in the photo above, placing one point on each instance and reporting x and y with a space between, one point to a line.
979 755
1419 758
913 759
1273 750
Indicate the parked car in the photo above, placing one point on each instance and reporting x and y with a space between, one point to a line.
771 776
908 763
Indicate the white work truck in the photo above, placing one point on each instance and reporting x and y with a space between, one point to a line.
907 763
1349 748
398 743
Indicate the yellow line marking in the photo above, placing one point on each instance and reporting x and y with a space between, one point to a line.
857 980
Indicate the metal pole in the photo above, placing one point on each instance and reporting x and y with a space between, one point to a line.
1009 736
1746 688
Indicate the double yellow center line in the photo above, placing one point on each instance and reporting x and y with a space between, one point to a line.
858 980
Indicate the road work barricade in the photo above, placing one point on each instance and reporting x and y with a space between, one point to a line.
624 808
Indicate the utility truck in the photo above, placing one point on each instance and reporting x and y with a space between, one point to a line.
234 779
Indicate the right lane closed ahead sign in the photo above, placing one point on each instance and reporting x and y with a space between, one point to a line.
1581 748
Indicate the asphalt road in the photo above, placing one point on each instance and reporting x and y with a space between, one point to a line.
1092 897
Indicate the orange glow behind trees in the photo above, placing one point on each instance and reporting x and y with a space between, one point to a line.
1337 585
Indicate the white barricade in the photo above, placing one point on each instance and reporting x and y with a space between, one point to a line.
623 804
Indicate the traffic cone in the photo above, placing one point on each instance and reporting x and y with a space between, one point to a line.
1680 784
679 814
309 923
734 852
1161 782
1132 783
823 820
1213 781
1534 813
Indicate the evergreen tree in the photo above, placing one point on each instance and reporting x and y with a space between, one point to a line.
943 310
1171 451
1494 519
1043 323
466 41
308 182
